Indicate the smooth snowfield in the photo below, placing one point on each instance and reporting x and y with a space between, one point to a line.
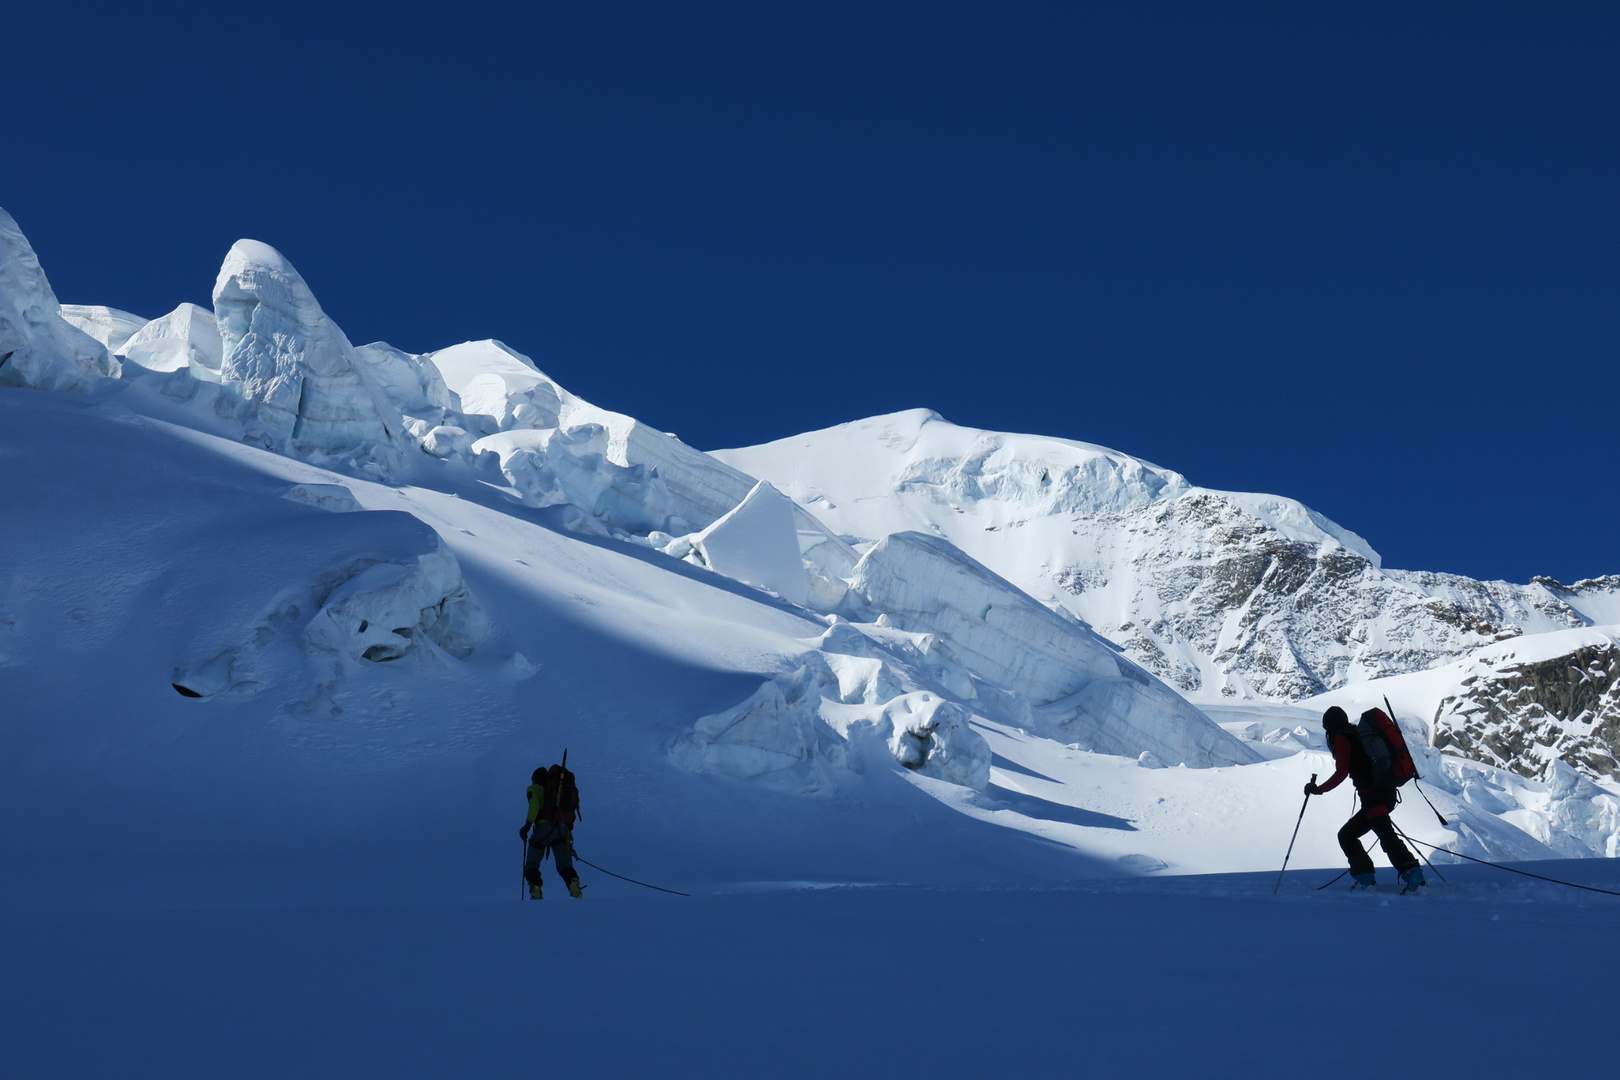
1178 977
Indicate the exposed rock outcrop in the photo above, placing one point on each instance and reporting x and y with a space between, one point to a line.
1524 716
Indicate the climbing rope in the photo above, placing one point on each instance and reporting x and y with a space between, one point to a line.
1509 869
621 877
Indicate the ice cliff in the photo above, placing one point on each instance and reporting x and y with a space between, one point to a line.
287 371
38 347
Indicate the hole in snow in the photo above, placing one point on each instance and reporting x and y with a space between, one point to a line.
381 654
185 691
364 625
404 631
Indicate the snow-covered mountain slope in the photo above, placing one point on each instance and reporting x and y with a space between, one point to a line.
326 606
1221 594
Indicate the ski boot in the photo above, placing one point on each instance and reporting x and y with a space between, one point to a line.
1413 879
575 889
534 892
1363 883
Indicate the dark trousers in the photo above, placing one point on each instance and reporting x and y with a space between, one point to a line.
1374 817
555 838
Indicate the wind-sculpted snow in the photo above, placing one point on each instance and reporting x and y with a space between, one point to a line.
289 372
38 348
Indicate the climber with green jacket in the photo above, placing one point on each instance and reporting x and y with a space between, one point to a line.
553 806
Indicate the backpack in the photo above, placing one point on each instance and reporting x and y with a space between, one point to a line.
560 796
1390 761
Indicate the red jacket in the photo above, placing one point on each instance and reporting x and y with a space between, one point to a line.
1373 801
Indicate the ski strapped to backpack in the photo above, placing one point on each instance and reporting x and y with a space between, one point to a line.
559 795
1385 744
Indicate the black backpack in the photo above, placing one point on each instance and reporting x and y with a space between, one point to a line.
1389 761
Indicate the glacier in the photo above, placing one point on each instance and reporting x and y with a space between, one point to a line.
327 578
287 370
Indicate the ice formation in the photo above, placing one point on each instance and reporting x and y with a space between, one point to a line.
798 733
502 388
292 376
38 348
110 326
388 609
412 384
373 606
932 736
551 466
926 585
1133 714
923 584
757 542
186 339
334 497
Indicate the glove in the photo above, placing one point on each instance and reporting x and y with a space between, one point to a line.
1311 788
524 832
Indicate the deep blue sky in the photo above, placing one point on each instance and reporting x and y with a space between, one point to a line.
1363 254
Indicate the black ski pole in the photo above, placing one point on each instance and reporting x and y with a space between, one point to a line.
523 878
1416 778
1291 839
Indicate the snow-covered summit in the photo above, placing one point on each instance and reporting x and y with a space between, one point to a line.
1222 594
927 460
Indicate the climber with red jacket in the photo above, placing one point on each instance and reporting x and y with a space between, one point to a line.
1350 759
